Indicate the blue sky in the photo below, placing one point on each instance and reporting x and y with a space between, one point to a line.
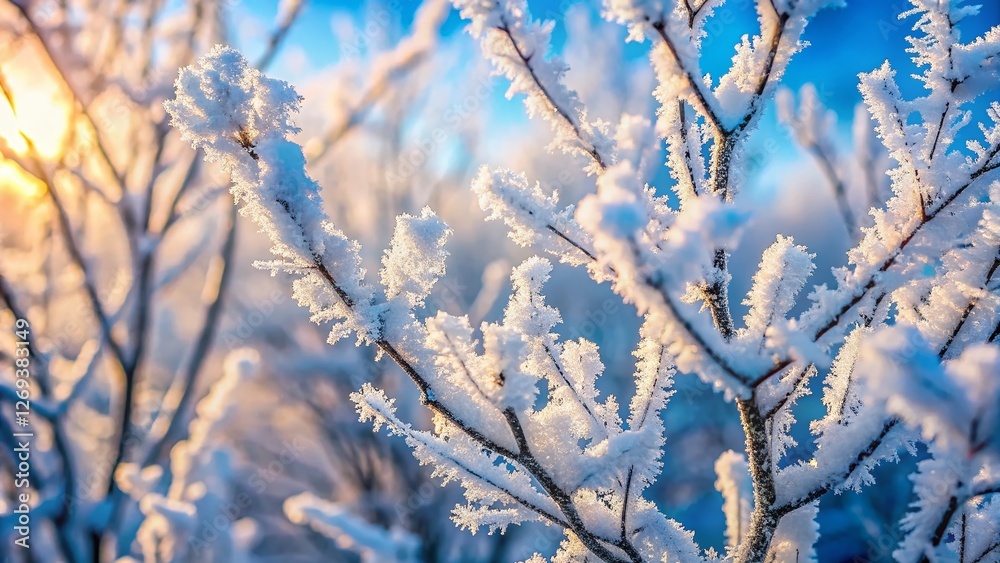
843 41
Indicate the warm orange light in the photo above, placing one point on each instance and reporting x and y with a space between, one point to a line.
15 180
9 133
42 109
41 112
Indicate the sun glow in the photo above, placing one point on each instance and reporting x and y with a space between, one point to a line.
42 113
40 121
14 179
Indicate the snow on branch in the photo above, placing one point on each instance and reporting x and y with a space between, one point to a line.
519 47
242 119
904 338
372 542
532 217
954 405
197 480
737 493
557 478
784 269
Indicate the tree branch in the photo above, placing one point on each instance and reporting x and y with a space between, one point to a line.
967 312
830 482
764 519
586 146
701 98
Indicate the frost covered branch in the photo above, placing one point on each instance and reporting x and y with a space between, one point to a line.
903 341
104 256
519 48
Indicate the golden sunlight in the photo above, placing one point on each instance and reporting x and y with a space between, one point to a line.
43 111
13 179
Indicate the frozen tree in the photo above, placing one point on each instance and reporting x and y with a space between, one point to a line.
124 266
200 474
904 339
107 251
